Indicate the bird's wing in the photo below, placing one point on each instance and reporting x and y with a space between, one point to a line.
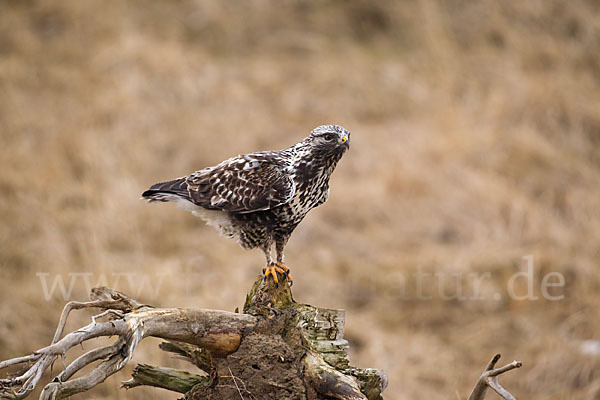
242 184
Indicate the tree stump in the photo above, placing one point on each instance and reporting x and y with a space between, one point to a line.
296 351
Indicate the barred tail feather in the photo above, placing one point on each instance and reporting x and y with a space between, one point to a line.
167 191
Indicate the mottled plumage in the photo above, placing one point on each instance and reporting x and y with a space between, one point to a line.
260 198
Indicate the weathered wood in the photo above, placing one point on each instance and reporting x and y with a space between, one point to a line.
330 382
165 378
198 356
219 332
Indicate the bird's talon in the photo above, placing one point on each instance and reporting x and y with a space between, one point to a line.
286 272
277 268
272 270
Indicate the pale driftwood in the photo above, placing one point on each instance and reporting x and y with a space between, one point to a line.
218 331
276 348
489 378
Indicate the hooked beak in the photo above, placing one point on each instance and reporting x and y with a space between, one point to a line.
345 140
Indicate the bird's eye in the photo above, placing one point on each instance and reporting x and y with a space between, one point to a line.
328 137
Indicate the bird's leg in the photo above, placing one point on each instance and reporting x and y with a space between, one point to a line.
279 245
271 268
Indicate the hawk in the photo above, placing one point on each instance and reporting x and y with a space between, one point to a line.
260 198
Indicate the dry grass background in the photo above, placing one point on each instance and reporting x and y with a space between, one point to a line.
476 133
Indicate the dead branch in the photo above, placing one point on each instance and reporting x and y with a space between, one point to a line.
165 378
198 356
330 382
219 332
489 378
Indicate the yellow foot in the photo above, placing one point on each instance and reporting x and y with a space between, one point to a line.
276 268
286 272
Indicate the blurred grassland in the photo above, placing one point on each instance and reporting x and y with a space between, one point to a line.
475 141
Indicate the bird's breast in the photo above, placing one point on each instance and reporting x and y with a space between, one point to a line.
309 194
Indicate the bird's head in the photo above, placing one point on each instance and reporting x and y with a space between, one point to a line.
330 139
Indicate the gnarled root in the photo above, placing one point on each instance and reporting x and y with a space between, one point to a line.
219 332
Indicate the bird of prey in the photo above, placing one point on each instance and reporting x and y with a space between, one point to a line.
260 198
